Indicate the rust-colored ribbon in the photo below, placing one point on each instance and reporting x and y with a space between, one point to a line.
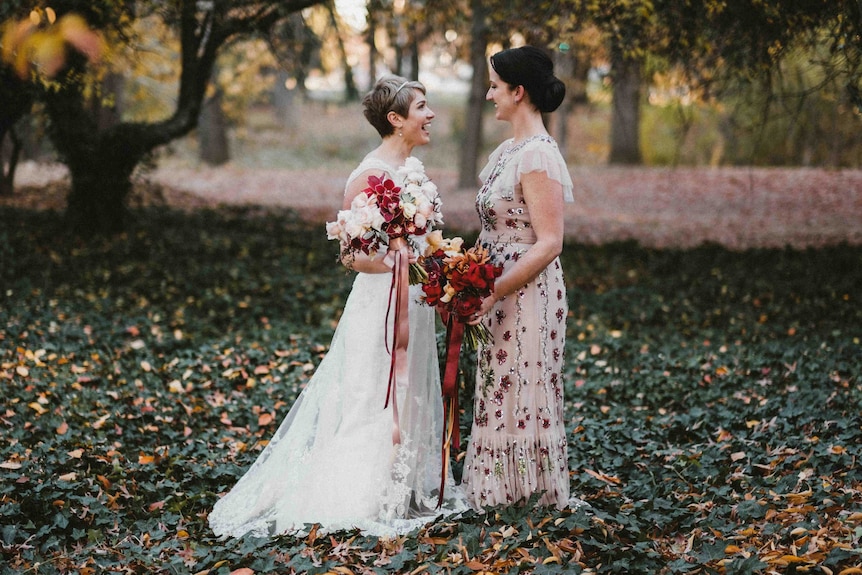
399 369
451 428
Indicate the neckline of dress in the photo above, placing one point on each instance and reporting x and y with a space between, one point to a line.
514 146
385 162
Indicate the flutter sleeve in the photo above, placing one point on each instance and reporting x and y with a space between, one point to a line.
544 156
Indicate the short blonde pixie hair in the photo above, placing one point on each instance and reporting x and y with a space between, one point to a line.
391 93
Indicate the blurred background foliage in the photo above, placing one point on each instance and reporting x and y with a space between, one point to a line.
650 82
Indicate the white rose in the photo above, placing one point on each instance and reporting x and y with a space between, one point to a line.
425 207
333 230
354 229
429 188
409 209
413 190
359 201
413 164
375 218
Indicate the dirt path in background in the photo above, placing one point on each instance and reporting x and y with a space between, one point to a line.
659 207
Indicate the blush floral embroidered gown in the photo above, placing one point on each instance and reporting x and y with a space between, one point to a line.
518 441
332 460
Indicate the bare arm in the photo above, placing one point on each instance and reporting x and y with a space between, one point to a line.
544 198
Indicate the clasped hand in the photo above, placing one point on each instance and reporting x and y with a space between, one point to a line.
487 306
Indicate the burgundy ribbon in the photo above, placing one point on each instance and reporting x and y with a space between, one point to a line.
451 428
399 369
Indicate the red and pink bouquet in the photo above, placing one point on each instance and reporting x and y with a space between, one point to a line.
458 280
384 212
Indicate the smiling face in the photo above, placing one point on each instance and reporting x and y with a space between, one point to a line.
502 95
415 126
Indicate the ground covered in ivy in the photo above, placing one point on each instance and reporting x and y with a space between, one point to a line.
713 402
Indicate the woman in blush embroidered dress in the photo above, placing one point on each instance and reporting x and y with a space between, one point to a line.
518 441
334 461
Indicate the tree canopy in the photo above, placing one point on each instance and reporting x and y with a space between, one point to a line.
101 160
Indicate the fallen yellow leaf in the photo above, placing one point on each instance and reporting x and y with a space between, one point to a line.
792 559
71 476
76 453
22 371
37 408
62 428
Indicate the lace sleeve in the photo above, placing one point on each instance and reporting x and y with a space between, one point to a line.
545 157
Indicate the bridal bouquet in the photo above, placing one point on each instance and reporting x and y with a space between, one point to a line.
458 280
384 212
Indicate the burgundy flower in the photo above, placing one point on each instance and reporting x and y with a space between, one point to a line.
433 291
501 356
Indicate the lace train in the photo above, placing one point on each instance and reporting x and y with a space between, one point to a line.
332 460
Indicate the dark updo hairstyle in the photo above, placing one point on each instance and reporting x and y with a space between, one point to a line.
531 68
390 94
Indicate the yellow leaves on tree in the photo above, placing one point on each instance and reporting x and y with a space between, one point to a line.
42 41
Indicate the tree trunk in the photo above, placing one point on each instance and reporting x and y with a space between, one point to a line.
212 131
8 167
564 69
625 118
351 94
414 56
472 143
284 101
96 204
17 99
372 44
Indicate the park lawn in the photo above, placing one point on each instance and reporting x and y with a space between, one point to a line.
712 400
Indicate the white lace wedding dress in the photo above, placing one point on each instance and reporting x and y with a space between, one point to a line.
332 460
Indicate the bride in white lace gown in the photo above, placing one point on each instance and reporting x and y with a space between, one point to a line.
332 461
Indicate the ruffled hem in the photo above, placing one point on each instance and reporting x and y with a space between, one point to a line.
504 469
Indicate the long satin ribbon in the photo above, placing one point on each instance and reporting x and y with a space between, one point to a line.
451 427
399 369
